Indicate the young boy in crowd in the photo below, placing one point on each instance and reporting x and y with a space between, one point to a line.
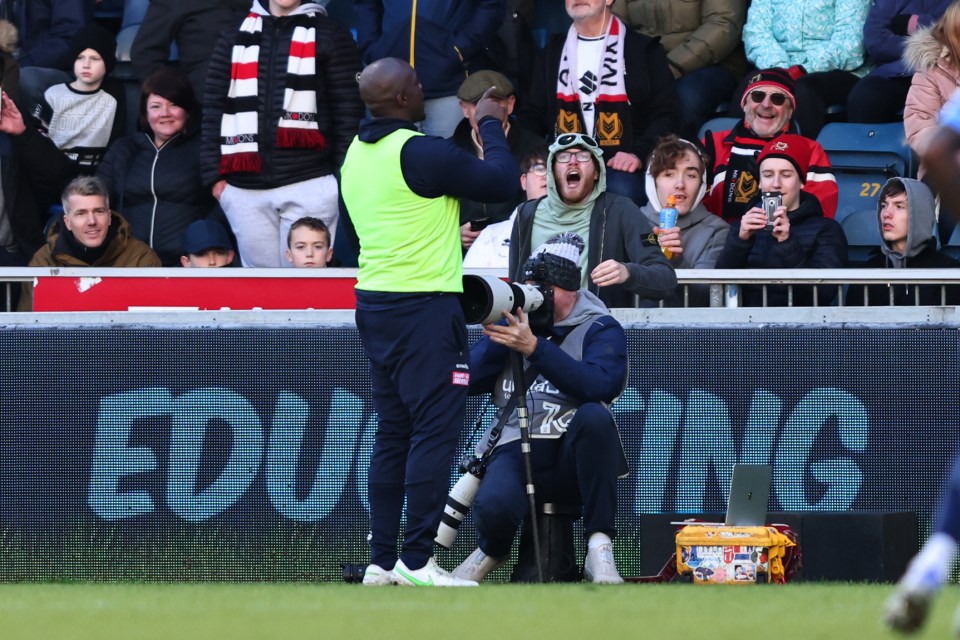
206 244
84 116
308 244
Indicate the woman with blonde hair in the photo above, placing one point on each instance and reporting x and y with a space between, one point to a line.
933 54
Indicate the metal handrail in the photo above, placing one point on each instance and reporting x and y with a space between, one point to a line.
719 279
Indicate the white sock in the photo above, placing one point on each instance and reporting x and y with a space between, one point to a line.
597 540
930 568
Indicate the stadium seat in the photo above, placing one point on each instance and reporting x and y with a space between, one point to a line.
724 123
863 235
952 247
864 157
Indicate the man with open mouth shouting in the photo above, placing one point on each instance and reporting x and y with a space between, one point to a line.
621 264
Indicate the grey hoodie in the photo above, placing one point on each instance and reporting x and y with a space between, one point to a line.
922 223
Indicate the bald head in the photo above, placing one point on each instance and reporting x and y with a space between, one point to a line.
390 89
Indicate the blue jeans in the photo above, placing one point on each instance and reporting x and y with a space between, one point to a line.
443 116
629 185
700 93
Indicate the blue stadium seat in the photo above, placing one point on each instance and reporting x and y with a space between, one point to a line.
864 157
952 247
863 235
724 123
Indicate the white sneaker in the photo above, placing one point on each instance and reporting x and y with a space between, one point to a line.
430 575
907 609
477 566
599 567
377 576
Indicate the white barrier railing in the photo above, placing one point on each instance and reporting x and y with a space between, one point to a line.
725 284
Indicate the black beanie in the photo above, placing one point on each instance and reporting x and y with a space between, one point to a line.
93 36
556 261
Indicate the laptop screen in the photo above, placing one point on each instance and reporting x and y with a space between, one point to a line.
749 493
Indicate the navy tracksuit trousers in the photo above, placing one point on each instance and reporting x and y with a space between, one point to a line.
419 369
948 516
579 468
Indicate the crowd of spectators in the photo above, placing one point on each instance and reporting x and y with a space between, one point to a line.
245 124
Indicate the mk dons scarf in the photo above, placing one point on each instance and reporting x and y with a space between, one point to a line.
612 126
240 139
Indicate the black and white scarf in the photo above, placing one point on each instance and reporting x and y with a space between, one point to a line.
612 125
239 127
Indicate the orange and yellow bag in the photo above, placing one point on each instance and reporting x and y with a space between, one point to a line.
718 554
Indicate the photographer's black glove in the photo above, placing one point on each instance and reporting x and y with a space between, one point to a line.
900 23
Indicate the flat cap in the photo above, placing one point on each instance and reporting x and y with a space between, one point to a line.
476 83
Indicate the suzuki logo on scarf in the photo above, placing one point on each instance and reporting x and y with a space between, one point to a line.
588 83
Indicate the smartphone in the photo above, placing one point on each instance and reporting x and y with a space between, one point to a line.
771 202
480 224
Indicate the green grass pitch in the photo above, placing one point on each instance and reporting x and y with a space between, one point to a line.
491 612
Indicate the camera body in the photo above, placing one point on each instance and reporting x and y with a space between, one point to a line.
772 200
485 297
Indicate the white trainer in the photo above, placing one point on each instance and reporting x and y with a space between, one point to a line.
477 566
377 576
907 609
430 575
599 567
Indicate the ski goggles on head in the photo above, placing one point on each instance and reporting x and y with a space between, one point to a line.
576 139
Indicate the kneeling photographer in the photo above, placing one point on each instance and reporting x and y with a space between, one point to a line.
579 367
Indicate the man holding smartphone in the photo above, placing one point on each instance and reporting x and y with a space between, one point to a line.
768 104
801 237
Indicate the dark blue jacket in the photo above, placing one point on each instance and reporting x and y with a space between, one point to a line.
883 45
815 242
450 37
46 28
905 294
598 377
434 167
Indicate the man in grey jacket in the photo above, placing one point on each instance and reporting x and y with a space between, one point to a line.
622 261
676 168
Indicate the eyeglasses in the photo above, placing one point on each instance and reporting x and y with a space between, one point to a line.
776 97
99 212
569 138
538 169
563 157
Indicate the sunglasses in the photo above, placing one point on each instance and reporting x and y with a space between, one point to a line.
563 157
776 97
538 169
570 138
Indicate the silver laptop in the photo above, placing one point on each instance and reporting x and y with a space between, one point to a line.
749 493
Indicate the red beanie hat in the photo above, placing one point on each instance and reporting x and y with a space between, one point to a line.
796 149
775 77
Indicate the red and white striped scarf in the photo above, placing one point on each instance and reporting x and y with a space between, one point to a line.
606 85
239 127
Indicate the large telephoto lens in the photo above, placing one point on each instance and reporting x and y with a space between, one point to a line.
485 298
